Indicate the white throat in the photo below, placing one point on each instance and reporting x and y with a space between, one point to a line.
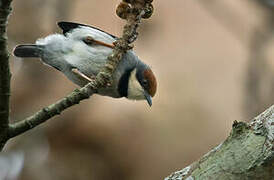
135 90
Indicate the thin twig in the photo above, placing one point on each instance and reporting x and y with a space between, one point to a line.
103 79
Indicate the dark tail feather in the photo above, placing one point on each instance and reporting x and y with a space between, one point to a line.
28 50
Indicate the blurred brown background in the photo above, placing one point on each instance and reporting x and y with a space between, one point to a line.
214 64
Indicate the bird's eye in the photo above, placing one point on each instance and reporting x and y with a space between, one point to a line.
145 83
88 40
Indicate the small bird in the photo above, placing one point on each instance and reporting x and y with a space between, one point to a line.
80 53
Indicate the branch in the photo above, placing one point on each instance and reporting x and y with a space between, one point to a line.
133 13
5 74
248 153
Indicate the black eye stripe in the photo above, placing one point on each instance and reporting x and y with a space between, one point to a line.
123 83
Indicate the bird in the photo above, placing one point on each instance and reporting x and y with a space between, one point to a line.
82 50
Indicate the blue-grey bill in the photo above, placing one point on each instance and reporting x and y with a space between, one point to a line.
148 98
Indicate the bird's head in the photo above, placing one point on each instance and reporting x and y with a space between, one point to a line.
141 83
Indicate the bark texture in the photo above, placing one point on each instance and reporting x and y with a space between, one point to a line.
247 154
5 74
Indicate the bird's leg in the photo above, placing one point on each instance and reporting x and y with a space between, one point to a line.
104 44
80 74
89 40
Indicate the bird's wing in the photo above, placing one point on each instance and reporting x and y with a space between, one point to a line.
69 26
